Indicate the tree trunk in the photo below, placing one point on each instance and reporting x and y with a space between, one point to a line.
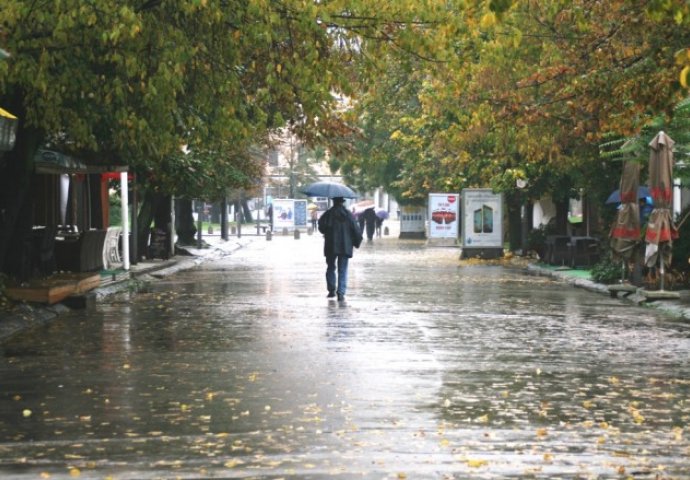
562 216
162 216
154 209
184 222
144 219
514 222
248 217
16 202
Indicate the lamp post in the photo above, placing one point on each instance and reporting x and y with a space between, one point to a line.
521 183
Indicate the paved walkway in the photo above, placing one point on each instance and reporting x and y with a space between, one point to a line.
434 368
25 316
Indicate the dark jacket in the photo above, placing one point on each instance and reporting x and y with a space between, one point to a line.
370 216
341 231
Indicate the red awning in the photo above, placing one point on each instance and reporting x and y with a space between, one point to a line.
115 176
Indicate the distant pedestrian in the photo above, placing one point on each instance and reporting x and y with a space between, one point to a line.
314 219
379 224
370 219
360 220
269 213
341 233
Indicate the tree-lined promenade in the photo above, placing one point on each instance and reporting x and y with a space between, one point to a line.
412 96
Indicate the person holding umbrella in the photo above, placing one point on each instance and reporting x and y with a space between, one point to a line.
370 219
381 215
341 233
313 215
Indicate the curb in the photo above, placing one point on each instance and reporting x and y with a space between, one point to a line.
197 258
675 308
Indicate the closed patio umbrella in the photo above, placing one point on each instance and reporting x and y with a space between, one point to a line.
660 229
625 232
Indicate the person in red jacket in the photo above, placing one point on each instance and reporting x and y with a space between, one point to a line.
341 234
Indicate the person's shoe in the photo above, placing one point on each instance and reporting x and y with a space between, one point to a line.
341 298
331 295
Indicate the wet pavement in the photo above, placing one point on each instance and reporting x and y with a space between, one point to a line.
433 368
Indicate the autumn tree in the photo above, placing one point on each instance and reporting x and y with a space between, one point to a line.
132 82
524 91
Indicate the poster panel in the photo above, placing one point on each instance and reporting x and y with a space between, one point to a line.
482 218
300 213
283 214
444 215
412 221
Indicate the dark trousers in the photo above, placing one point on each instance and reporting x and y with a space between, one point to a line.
371 226
338 285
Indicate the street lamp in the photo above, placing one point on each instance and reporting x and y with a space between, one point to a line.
521 184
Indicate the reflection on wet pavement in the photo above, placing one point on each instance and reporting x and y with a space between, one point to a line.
432 369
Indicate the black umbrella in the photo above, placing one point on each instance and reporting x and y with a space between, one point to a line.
328 189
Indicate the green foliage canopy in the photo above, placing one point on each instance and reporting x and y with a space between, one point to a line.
519 90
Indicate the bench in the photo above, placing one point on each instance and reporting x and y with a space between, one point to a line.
584 251
557 249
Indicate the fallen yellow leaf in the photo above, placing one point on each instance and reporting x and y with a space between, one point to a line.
678 433
476 463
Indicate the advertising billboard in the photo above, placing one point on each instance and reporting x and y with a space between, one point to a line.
289 213
412 221
300 209
482 213
283 214
444 215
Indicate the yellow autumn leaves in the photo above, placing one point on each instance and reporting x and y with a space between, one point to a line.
683 58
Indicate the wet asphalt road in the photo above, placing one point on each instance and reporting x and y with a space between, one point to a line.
432 369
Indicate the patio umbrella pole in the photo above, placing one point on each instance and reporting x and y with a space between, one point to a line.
661 270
